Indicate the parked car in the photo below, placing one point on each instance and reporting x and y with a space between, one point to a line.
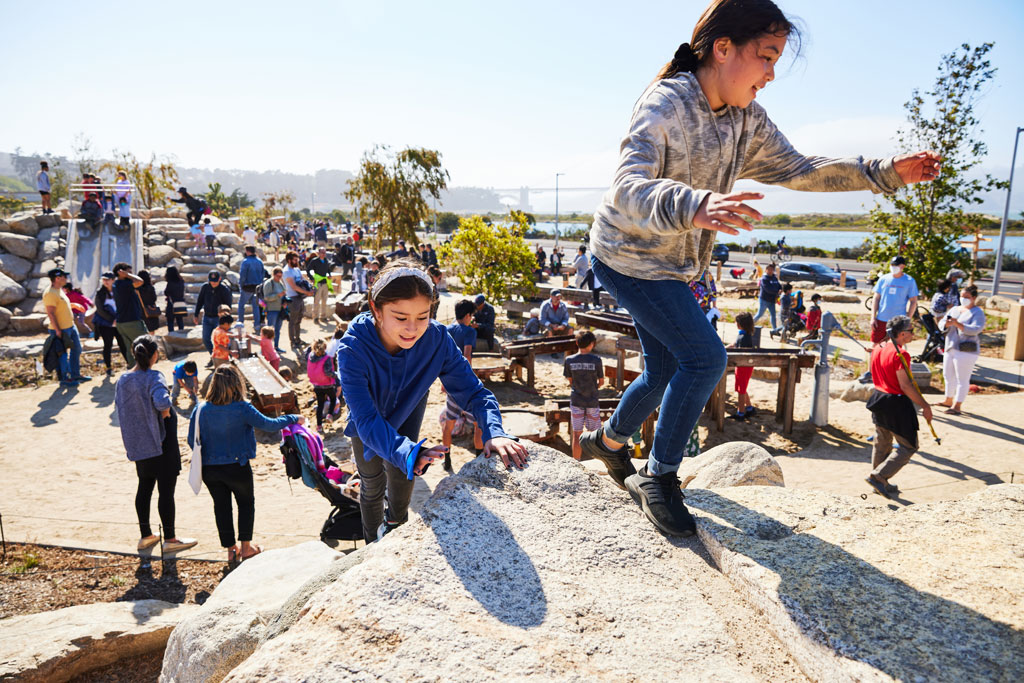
807 271
720 253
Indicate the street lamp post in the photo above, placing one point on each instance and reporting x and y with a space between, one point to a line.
556 208
312 210
1006 216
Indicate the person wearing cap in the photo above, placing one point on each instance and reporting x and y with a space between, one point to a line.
130 313
483 320
212 296
319 270
895 294
554 315
62 326
249 236
105 320
892 405
250 276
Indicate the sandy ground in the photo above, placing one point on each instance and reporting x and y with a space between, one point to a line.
67 481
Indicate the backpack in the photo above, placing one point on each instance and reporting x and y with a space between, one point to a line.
316 370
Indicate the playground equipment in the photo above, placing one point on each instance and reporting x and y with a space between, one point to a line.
94 249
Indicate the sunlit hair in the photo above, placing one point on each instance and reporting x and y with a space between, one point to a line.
319 347
226 386
401 288
143 349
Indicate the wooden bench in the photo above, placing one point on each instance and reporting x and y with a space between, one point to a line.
789 363
622 323
488 365
573 294
523 352
272 394
560 413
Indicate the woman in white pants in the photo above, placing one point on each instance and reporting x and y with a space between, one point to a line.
963 325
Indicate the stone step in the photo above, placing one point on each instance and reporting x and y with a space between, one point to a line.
200 268
177 234
167 222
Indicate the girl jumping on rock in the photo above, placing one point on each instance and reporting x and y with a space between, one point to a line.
387 360
694 132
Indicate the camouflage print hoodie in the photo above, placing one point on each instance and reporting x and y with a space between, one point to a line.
678 151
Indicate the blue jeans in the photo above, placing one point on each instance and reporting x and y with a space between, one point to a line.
765 306
274 319
69 360
683 361
244 298
210 323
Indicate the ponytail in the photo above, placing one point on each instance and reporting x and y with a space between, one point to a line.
143 349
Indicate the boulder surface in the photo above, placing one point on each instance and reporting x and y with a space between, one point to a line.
59 645
737 463
549 572
867 592
19 245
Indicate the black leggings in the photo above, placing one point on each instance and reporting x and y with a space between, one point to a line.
173 319
164 502
193 217
325 395
108 335
224 481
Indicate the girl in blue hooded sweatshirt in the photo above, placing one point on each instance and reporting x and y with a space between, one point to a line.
387 360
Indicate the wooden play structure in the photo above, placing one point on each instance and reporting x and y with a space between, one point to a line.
272 394
523 352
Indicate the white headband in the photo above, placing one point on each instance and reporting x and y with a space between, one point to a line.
396 273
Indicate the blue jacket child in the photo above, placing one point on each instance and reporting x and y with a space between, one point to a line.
382 390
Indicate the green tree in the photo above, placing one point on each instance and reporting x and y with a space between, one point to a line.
239 199
447 222
10 204
391 189
218 202
59 182
927 219
494 260
152 179
81 147
250 215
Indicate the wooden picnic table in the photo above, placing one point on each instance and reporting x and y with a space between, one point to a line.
621 323
523 352
272 394
487 365
789 362
560 413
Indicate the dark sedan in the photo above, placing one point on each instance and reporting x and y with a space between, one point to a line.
806 271
720 253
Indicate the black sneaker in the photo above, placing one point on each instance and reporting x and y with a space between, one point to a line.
662 502
618 463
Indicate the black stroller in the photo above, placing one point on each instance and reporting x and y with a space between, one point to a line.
935 343
345 523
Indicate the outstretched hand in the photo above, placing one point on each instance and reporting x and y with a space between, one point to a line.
511 452
719 211
921 167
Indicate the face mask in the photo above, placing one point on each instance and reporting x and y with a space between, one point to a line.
964 301
895 270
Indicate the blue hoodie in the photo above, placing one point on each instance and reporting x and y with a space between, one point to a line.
381 390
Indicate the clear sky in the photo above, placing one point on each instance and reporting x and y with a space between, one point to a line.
510 93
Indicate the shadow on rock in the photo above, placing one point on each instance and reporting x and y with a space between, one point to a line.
488 560
856 610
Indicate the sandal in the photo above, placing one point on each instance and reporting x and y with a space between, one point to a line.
952 411
232 557
243 558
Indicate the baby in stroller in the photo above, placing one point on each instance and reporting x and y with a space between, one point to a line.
935 343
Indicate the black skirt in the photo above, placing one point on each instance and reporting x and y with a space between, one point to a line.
168 463
896 413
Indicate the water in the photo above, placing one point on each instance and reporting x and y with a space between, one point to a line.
829 240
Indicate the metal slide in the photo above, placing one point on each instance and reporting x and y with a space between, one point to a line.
92 252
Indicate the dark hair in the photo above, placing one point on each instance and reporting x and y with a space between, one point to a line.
463 308
741 21
226 386
815 297
585 338
146 279
44 165
365 261
787 287
971 289
143 349
745 322
172 275
250 250
434 271
943 285
118 267
190 366
290 255
225 319
407 287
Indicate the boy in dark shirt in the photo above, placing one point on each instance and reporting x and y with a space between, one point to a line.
465 338
586 374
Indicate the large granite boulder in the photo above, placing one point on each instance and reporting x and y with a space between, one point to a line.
41 268
10 291
34 322
737 463
57 646
160 255
229 239
19 245
208 644
23 224
5 318
863 592
15 267
50 249
548 572
182 341
37 286
851 391
48 220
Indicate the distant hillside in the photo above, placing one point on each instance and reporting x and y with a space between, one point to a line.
11 184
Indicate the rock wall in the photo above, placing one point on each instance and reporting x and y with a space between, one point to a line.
30 245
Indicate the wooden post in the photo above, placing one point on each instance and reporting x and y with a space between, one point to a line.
780 397
842 279
531 375
647 434
720 403
620 371
718 276
792 373
1014 345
